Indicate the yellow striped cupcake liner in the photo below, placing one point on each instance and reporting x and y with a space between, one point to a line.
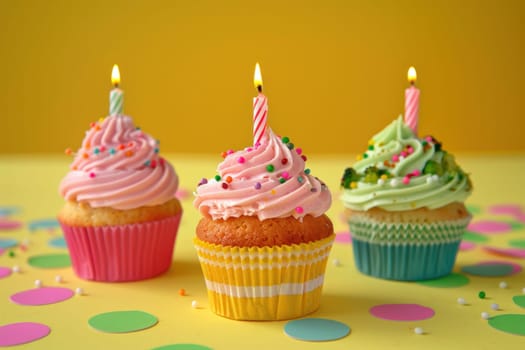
269 283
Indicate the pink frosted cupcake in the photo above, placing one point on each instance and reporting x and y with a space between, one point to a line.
121 216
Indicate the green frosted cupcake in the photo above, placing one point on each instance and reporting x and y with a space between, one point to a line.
404 201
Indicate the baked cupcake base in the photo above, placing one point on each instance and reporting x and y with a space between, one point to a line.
264 283
411 246
124 252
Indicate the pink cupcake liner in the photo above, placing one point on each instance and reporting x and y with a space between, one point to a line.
122 253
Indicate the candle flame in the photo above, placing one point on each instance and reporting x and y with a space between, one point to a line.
257 77
115 75
412 75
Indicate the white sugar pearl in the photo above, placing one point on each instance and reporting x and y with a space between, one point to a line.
16 268
494 306
38 283
79 291
394 182
419 330
380 182
336 262
461 301
429 180
58 279
485 315
435 178
503 285
194 304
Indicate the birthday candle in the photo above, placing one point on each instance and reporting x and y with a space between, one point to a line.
412 101
116 95
260 108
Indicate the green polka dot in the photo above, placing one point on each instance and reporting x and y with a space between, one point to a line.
182 347
510 323
474 209
516 225
517 243
451 281
489 270
122 321
519 300
50 261
474 237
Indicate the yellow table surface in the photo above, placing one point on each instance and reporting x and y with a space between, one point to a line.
30 183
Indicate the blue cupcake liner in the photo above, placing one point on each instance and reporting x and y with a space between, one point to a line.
406 252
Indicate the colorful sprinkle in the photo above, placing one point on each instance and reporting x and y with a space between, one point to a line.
85 155
217 178
300 179
482 295
282 180
304 157
68 151
258 186
284 161
307 171
229 179
270 168
359 157
299 210
203 181
182 292
285 175
299 151
147 163
241 160
273 191
91 175
156 150
121 147
224 185
112 151
128 153
365 155
406 180
290 146
395 158
285 139
223 154
153 164
353 185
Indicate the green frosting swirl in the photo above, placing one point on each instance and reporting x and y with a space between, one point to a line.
399 171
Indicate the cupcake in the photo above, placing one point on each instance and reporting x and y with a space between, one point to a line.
121 216
264 239
404 201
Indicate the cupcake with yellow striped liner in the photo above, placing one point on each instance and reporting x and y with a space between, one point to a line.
404 202
264 240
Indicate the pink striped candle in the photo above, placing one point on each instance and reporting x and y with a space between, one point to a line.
412 101
260 108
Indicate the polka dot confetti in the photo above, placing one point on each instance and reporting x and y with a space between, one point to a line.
490 269
474 237
465 245
316 329
5 271
50 261
450 281
519 300
505 209
42 296
8 225
490 227
58 242
509 323
8 242
509 252
343 237
43 224
402 312
183 346
122 321
517 243
22 333
5 211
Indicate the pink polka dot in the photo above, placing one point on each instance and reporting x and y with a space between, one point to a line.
9 224
464 245
22 332
182 193
343 237
42 296
402 312
520 217
505 209
489 227
509 252
4 271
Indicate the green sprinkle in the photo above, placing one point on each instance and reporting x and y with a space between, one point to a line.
285 139
282 180
371 147
270 168
365 155
11 254
290 145
307 171
481 295
217 177
300 179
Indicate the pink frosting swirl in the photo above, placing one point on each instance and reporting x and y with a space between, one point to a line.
118 166
267 181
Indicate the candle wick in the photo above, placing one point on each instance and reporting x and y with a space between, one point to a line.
115 85
259 88
412 82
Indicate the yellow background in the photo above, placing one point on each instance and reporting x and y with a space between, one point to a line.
334 71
